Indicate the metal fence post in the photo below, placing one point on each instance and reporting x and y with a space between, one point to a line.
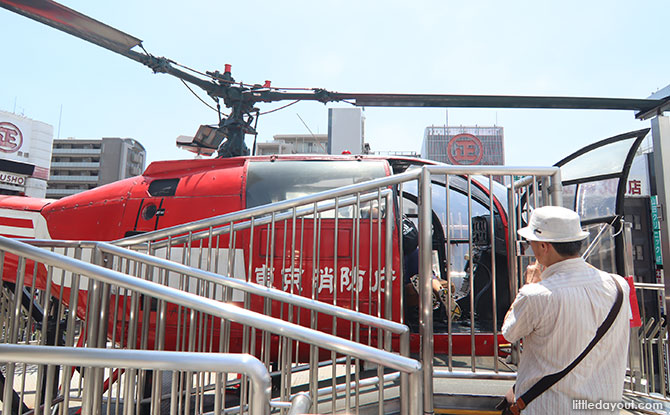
512 261
634 362
388 267
415 382
300 404
660 133
556 189
426 297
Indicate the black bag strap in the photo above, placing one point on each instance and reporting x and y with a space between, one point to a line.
548 381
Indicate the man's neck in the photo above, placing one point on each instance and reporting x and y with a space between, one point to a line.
555 259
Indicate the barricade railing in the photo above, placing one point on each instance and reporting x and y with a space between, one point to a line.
286 232
298 246
161 271
176 365
541 186
647 372
222 288
119 310
648 362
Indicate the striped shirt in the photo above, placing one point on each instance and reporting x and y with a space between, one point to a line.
557 318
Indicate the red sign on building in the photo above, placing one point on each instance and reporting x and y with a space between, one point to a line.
635 187
465 149
11 138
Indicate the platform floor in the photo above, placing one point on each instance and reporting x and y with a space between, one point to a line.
452 396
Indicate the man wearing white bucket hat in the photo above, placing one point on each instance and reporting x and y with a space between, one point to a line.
564 364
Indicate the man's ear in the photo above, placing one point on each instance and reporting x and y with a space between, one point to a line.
544 246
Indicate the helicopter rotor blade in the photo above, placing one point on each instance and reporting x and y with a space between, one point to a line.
500 101
70 21
643 107
241 98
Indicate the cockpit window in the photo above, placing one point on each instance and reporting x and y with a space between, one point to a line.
163 187
269 182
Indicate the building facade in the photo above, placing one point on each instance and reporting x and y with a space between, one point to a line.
346 135
82 164
464 145
25 153
294 144
346 131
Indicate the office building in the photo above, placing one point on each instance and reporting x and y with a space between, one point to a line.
25 153
464 145
294 144
82 164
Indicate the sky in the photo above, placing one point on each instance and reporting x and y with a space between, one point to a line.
606 48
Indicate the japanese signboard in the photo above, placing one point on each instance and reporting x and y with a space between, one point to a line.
656 227
15 132
655 224
657 247
637 183
465 149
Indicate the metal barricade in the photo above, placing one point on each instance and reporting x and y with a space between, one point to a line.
219 288
334 250
289 236
123 364
648 353
235 258
541 186
117 310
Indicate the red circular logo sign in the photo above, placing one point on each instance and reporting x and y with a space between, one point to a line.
465 149
11 138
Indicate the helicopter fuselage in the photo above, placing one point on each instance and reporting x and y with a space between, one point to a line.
171 193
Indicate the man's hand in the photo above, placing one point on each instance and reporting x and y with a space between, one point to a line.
509 396
533 272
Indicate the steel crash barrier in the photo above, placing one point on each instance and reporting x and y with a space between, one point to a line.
72 303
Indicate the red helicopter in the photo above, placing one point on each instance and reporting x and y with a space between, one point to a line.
177 192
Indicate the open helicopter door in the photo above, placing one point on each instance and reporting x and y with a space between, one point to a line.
458 210
606 183
595 180
148 204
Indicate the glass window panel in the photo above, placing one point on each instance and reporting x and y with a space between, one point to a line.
269 182
608 159
458 209
597 199
569 193
499 190
603 256
458 223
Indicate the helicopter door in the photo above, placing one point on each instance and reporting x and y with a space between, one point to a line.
453 248
148 211
595 183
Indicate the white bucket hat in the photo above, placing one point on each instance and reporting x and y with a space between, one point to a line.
553 224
